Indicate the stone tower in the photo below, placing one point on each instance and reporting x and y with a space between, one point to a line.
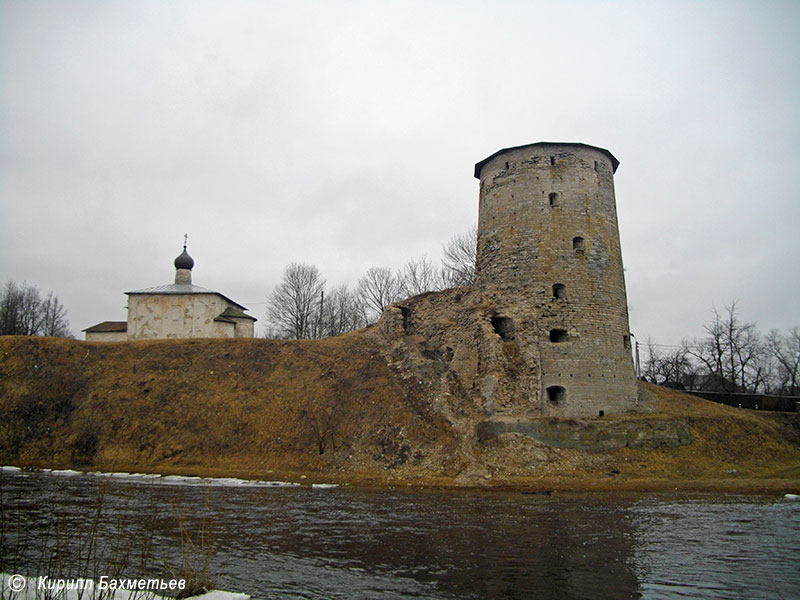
549 261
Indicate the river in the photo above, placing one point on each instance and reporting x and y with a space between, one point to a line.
282 541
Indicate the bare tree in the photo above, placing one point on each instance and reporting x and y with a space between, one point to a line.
785 351
762 370
377 288
10 309
458 259
294 304
31 318
419 276
24 312
322 420
341 312
54 318
672 368
730 352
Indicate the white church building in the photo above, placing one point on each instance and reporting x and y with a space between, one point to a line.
176 310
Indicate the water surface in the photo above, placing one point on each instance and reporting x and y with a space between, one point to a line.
299 542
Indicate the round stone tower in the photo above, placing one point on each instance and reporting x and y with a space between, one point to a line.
549 260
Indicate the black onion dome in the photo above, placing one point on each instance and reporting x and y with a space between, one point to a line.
184 261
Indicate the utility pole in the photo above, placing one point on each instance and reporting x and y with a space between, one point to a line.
319 317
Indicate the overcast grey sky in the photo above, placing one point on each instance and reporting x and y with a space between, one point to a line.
344 134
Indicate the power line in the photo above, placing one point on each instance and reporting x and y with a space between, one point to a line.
671 345
687 346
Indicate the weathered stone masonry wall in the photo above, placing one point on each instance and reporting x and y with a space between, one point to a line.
548 244
452 340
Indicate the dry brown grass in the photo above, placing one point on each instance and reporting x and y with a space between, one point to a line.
265 409
213 406
733 449
728 442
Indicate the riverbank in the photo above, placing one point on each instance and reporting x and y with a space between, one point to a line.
335 411
556 486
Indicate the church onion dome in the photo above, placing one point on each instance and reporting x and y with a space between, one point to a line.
184 261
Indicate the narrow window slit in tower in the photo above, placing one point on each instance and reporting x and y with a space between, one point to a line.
506 165
504 327
556 394
626 341
552 161
577 244
558 335
596 166
559 290
553 199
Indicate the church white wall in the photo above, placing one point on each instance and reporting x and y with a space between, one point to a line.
223 329
152 316
244 328
106 336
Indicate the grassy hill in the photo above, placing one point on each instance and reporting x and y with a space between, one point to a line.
334 410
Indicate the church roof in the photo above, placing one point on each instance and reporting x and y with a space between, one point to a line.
234 313
107 327
180 288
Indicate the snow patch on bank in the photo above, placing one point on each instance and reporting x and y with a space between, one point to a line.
159 479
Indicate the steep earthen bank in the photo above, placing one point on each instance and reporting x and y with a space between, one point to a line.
341 410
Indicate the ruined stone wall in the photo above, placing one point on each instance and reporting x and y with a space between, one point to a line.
549 258
453 341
